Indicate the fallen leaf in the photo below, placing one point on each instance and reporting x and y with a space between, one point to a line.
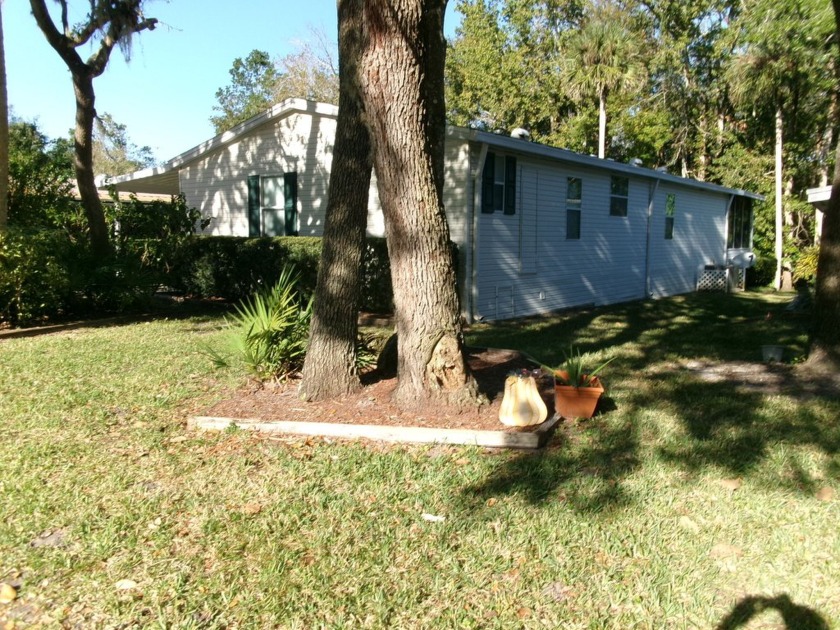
492 501
724 550
730 484
251 508
432 518
462 461
826 493
178 438
687 524
523 613
125 585
8 593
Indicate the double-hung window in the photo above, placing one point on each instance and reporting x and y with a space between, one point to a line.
670 213
574 190
619 192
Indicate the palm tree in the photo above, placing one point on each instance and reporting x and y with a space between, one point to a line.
601 58
781 46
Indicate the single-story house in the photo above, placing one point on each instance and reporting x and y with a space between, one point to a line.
538 228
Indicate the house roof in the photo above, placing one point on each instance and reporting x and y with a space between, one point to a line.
164 179
528 147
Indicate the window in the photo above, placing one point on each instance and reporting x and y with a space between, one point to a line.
740 224
498 190
619 187
574 189
272 205
670 211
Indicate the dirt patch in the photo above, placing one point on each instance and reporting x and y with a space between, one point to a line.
372 405
768 378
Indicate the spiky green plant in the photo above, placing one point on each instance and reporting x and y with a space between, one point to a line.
270 330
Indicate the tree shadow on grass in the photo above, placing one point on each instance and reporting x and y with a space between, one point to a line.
729 427
794 616
583 467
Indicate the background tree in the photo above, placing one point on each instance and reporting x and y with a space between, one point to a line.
4 133
309 72
40 178
780 65
257 82
330 366
402 69
113 22
113 151
599 59
251 90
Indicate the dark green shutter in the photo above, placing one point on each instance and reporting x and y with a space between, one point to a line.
487 183
290 202
510 185
253 205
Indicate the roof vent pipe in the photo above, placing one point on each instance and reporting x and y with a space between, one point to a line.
520 134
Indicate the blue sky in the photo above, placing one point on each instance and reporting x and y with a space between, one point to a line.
165 94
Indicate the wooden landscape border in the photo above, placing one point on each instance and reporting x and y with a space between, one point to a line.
494 439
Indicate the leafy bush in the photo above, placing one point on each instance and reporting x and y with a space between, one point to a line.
762 273
234 267
805 264
270 330
34 281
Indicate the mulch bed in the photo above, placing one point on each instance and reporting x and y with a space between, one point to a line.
372 405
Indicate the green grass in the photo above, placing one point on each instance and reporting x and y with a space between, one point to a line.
626 521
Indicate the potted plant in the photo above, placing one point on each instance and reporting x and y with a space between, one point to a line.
577 388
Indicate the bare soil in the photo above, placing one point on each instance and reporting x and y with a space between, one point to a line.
372 405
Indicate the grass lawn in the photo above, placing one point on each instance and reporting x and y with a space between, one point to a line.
688 504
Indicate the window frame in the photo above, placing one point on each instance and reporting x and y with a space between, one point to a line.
670 214
574 206
619 201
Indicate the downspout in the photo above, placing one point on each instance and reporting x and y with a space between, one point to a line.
654 187
478 175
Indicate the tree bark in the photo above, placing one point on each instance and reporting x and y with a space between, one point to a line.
83 164
4 134
779 250
825 338
330 366
402 87
112 22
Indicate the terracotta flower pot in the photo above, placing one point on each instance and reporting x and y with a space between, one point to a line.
577 402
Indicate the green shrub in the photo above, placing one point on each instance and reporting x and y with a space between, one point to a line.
270 330
805 264
34 281
233 268
762 273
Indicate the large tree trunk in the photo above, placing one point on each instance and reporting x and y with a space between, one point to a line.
4 133
402 87
825 340
83 163
330 366
777 282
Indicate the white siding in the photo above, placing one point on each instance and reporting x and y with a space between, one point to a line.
699 228
529 255
303 143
